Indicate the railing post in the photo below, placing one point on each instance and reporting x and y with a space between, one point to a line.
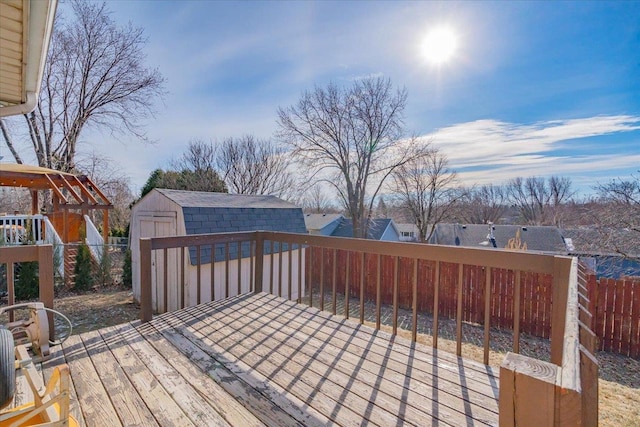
259 264
45 273
146 304
561 272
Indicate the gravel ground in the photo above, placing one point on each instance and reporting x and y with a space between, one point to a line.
619 384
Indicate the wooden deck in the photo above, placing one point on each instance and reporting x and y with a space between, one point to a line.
261 360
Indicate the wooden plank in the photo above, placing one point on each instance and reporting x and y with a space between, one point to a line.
92 396
334 282
226 269
635 322
282 399
188 399
459 287
414 302
129 406
487 315
362 259
608 333
618 316
436 304
321 278
395 295
589 384
191 361
348 374
198 276
283 371
347 290
311 358
378 344
155 397
516 314
56 358
625 333
378 290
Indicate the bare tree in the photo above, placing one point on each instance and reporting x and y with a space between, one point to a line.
350 138
483 204
254 166
618 219
426 186
316 201
538 200
104 172
95 76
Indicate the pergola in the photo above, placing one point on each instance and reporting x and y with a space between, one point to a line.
69 192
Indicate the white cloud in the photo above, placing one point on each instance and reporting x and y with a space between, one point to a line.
495 151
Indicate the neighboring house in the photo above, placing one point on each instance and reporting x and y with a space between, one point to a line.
408 232
323 224
536 238
379 229
164 212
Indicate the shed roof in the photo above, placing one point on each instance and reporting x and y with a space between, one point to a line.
377 228
537 238
204 199
206 213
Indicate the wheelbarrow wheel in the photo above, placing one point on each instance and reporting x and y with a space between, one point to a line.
7 368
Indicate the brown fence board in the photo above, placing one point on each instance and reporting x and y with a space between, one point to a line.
614 305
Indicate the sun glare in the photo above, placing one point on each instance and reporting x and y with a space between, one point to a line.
439 45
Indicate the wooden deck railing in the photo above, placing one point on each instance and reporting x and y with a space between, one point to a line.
43 255
561 392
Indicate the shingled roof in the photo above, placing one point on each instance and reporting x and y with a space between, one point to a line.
537 238
224 213
377 227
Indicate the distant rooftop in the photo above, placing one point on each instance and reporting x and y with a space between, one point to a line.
319 221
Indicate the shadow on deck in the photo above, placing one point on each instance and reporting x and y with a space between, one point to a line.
257 359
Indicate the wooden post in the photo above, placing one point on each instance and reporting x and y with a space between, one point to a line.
436 303
105 225
561 271
347 291
459 311
487 314
527 392
45 273
395 295
259 264
414 302
146 305
516 314
333 281
34 202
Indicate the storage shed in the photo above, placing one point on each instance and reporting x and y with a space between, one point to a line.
164 212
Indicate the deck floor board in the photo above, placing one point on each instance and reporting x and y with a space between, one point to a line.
257 359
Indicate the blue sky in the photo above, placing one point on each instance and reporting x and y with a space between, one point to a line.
534 88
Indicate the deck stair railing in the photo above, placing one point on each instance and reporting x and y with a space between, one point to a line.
18 229
94 239
176 272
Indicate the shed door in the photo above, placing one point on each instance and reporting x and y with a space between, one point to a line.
164 226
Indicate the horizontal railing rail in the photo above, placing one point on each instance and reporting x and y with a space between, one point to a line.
286 265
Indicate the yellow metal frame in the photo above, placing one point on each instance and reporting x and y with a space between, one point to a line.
50 406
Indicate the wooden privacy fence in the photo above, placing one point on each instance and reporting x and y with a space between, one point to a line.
614 304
